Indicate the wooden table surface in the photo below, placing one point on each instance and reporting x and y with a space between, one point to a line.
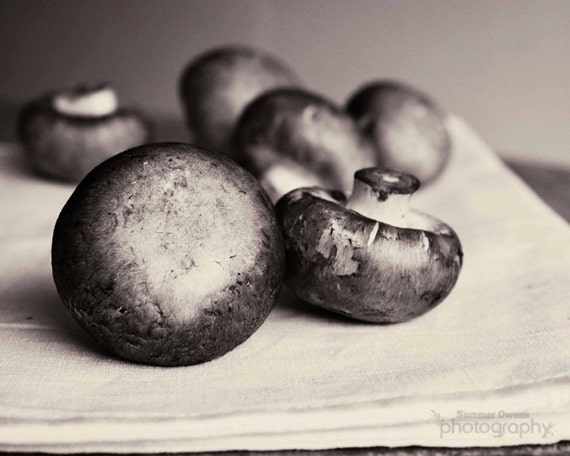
551 183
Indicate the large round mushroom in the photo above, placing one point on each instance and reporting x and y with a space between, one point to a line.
168 254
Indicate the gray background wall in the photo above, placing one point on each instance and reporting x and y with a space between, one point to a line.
503 65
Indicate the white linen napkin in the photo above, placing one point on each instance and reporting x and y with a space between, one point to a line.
497 349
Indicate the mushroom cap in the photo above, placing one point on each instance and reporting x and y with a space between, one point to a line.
303 132
168 254
216 86
66 147
406 126
362 268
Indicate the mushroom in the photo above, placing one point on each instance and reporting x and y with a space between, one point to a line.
216 86
68 132
291 138
168 254
372 257
406 126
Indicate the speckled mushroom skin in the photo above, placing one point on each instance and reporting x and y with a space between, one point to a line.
406 126
304 132
335 259
216 86
66 147
167 254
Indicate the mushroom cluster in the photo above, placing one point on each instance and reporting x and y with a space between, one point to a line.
372 258
174 254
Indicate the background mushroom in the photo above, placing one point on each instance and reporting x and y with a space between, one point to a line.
291 138
406 126
65 134
217 85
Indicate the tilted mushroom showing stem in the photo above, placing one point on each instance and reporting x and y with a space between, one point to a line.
372 257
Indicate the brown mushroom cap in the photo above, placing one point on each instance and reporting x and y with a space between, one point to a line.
364 268
216 86
62 146
302 136
168 254
406 125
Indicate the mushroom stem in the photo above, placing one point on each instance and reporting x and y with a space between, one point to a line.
279 179
97 101
383 195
